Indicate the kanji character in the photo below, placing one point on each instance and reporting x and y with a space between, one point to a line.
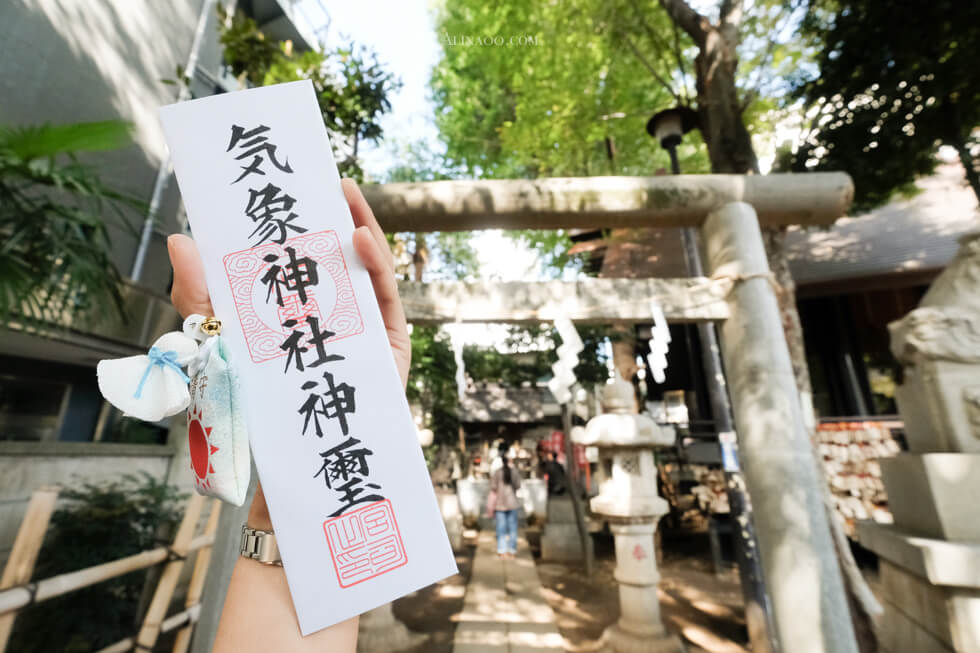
342 462
336 402
298 274
254 146
351 490
263 205
294 352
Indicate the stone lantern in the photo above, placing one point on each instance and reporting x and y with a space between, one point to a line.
628 499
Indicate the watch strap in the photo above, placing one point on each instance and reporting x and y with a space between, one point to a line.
260 546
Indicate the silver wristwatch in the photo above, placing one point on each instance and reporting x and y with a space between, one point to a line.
260 545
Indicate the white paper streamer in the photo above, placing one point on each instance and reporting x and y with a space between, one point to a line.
456 340
563 369
659 343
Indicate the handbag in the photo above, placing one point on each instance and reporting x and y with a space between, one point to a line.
491 503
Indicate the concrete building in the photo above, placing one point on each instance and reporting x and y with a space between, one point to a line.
69 61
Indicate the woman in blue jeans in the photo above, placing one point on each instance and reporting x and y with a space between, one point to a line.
504 483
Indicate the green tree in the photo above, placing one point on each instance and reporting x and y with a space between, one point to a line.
572 94
566 98
879 111
55 251
432 382
351 86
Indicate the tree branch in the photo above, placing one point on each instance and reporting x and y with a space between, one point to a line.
646 27
653 71
690 21
731 12
680 58
662 45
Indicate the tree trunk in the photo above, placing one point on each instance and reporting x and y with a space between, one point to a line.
729 143
775 240
730 151
421 256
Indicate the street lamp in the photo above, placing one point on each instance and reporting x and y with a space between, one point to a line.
669 126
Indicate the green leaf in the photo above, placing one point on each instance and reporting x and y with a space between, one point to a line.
51 140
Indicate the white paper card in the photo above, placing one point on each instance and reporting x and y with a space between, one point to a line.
351 501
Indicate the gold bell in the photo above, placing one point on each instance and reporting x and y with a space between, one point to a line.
211 326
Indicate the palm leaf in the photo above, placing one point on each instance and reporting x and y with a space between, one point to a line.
45 141
54 211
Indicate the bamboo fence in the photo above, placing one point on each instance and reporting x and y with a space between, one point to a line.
17 592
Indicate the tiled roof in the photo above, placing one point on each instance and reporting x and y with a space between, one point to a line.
904 236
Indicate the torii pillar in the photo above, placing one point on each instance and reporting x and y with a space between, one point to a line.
792 527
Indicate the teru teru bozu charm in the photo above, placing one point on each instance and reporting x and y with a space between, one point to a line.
153 386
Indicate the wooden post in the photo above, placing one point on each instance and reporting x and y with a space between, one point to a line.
27 545
196 588
155 614
801 570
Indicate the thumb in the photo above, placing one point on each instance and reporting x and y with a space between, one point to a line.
190 291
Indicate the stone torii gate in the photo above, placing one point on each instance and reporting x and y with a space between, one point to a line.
809 606
810 611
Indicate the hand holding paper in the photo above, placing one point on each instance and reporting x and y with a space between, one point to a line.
297 270
190 295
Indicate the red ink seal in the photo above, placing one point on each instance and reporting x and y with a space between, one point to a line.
365 543
262 316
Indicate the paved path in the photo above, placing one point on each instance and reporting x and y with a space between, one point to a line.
504 610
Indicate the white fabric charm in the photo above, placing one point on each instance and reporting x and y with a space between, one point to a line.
151 386
216 431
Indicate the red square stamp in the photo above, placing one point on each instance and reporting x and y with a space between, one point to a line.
306 276
365 543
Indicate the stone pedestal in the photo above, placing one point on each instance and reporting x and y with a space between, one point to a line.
379 632
560 538
472 493
639 628
935 495
930 589
930 558
452 517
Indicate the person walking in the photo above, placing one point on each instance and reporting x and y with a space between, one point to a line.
504 485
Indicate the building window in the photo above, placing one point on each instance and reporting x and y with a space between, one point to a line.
42 401
31 409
